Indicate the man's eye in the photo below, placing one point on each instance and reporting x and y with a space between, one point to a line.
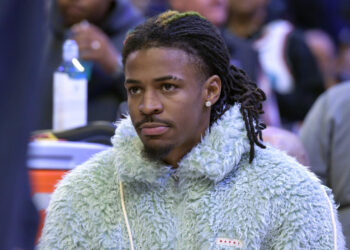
134 90
168 87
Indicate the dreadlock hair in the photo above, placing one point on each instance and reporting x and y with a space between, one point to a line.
195 35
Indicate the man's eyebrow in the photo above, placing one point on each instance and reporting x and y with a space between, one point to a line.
159 79
132 81
169 77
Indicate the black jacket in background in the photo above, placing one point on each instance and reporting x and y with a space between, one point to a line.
307 76
242 54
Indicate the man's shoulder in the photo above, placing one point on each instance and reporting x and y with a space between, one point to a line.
297 197
84 201
277 170
88 179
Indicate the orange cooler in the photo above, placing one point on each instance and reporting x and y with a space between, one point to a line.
43 183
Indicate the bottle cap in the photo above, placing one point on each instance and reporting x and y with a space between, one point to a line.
70 50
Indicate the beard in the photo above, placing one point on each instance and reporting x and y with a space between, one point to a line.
156 153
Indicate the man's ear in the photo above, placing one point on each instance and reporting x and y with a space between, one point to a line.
212 89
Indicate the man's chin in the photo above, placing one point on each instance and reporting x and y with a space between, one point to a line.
156 153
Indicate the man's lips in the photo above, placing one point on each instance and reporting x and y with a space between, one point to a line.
153 129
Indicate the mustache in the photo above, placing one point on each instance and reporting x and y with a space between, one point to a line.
152 119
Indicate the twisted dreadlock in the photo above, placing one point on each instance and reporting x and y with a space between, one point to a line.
199 38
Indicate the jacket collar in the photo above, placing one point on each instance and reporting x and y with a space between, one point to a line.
218 153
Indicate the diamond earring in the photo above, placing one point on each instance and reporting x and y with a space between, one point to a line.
207 104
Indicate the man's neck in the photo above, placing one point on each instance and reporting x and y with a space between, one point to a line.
175 156
245 25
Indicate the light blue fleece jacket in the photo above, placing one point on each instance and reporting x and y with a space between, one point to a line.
214 196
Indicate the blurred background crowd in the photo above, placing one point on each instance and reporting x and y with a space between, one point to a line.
297 51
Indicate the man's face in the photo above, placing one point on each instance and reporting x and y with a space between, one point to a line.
213 10
75 11
166 99
246 7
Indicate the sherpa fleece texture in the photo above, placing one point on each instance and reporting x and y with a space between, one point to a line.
271 203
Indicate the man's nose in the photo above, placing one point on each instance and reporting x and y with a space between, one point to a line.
151 104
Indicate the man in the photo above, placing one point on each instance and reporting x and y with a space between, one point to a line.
188 170
325 135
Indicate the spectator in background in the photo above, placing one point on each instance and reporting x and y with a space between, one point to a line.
325 135
284 56
99 27
242 54
151 8
324 50
331 16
